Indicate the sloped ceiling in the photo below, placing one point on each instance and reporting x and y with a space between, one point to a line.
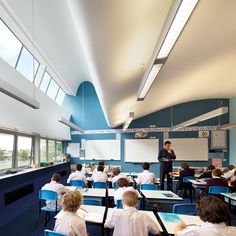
111 42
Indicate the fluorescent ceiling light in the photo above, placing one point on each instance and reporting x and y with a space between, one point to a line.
228 126
128 121
209 115
184 12
71 125
148 83
17 94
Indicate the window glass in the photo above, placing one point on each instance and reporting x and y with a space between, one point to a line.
26 66
60 97
24 151
51 150
6 150
52 89
45 81
43 150
10 46
58 150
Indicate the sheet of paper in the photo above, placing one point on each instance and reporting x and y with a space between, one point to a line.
170 217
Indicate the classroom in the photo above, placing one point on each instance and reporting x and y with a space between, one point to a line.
117 117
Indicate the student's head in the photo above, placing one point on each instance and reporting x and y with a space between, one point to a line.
130 199
72 201
123 182
101 168
101 163
56 177
216 173
146 166
231 167
167 145
79 167
116 171
235 173
211 167
184 165
213 210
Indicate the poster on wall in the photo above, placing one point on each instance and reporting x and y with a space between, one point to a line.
73 149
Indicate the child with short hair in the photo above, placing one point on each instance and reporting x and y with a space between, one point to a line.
214 213
99 176
146 177
123 187
68 221
77 175
117 175
129 221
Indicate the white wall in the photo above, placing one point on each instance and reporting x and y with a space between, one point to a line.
15 114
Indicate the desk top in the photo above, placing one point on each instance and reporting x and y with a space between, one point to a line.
160 194
92 214
171 220
149 213
201 182
89 192
230 195
111 193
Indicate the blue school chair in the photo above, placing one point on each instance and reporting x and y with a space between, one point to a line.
148 187
52 233
115 186
45 195
187 185
185 208
217 190
120 206
77 183
93 202
99 185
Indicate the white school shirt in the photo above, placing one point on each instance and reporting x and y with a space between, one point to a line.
229 175
208 229
146 177
71 224
77 175
130 222
120 191
99 177
56 187
115 178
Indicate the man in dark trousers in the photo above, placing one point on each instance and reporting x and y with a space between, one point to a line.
166 156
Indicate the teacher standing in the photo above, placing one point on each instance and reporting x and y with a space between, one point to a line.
166 156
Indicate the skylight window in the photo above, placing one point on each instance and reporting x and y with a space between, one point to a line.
52 89
60 97
45 81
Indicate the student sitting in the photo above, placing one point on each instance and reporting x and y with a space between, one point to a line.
99 176
123 187
101 163
117 175
214 213
68 222
229 175
207 174
129 221
146 177
233 183
55 186
216 179
77 175
185 172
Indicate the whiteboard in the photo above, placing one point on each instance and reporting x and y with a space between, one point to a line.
141 150
102 149
190 149
73 149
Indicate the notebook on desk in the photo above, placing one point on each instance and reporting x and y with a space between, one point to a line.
170 217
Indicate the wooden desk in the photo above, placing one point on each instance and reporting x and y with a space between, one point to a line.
159 196
170 225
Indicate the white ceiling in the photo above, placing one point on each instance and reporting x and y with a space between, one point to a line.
110 41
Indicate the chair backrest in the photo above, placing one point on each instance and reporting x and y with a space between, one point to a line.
217 189
115 186
120 206
187 178
185 208
93 202
148 187
52 233
99 185
131 184
77 183
48 195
